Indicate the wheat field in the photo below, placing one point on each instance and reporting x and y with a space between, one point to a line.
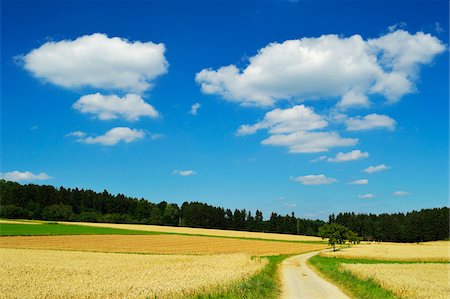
415 281
428 251
202 231
6 221
29 273
158 244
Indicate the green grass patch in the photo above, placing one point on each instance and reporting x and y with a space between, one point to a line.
352 285
265 284
52 229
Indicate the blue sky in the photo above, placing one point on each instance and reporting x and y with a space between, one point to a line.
281 88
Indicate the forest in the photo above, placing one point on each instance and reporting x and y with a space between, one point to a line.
46 202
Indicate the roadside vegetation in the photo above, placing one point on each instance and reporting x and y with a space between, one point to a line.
388 270
264 284
418 280
346 281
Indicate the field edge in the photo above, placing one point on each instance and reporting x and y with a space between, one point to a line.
329 269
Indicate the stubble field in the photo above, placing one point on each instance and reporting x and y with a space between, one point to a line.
29 273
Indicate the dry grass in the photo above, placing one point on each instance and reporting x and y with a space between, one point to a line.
18 221
202 231
64 274
158 244
428 251
408 280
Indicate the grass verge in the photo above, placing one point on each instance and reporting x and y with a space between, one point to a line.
51 229
349 283
265 284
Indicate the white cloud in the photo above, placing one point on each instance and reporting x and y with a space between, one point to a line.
401 193
350 156
194 108
285 121
114 136
156 136
371 121
395 27
76 134
366 196
130 107
314 179
328 66
17 176
309 142
372 169
290 205
321 158
98 61
293 128
184 172
438 27
359 182
354 97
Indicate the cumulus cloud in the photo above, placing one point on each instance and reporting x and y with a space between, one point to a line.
295 128
314 179
350 156
366 196
320 158
359 182
105 107
329 66
285 121
114 136
401 193
309 142
378 168
18 176
194 108
397 26
98 61
188 172
76 134
368 122
354 97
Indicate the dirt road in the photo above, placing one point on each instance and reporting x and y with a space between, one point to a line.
299 281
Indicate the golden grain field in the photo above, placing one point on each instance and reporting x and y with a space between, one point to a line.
19 221
158 244
412 281
427 251
202 231
29 273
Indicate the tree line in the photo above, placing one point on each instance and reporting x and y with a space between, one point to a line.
49 203
416 226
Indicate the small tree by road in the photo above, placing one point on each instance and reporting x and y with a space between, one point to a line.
337 234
